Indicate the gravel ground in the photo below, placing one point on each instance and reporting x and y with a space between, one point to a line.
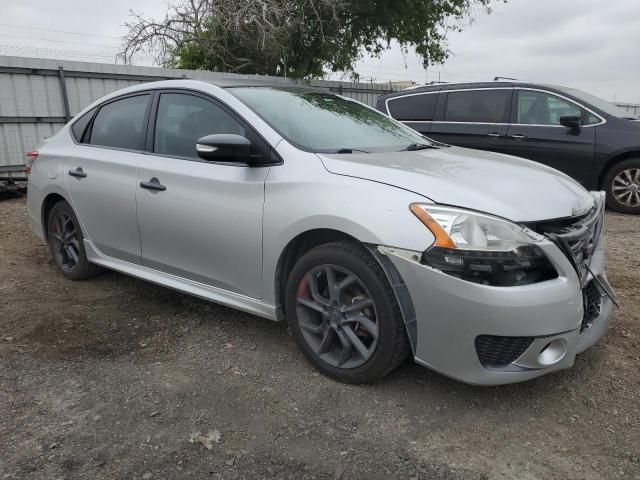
115 377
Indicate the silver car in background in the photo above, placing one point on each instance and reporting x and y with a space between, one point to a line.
372 241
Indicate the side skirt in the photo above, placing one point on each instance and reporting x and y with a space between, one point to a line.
207 292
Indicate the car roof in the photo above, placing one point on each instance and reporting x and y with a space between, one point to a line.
438 87
190 84
224 83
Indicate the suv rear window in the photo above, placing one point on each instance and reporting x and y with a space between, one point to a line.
478 106
413 107
121 123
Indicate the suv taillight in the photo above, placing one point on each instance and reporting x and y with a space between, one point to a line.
31 157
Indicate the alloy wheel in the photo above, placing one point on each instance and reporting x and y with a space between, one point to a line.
626 187
65 244
337 316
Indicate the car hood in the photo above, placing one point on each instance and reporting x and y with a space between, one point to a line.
510 187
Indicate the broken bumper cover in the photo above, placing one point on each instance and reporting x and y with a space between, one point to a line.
542 320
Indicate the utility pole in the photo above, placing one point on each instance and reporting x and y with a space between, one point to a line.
425 64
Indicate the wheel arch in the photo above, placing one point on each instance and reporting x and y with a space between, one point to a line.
305 241
295 248
47 204
614 160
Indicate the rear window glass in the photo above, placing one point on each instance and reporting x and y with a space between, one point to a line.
413 107
121 123
480 106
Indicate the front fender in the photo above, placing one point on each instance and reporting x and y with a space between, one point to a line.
302 195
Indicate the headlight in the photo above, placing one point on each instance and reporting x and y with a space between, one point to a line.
481 248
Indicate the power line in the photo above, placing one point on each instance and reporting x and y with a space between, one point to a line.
57 31
53 51
22 37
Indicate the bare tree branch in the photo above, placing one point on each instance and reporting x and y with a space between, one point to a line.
290 37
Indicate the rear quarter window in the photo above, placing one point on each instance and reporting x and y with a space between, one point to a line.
413 107
79 126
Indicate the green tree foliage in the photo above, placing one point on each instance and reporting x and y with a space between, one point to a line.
296 38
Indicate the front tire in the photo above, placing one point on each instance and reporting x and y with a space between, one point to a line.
343 313
66 243
622 184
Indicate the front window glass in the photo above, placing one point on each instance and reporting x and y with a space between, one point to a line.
539 108
324 122
183 119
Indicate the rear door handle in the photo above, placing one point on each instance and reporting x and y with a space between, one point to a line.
494 134
153 184
78 173
518 137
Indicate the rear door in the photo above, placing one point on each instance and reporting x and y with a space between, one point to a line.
202 220
473 118
535 133
416 110
101 174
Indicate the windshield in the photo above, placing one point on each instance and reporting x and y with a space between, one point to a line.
324 122
599 103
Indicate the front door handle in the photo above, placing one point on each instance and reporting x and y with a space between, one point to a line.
153 184
78 173
494 134
518 137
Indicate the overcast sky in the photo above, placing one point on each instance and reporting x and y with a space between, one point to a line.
588 44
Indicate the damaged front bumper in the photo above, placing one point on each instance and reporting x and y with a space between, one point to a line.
488 335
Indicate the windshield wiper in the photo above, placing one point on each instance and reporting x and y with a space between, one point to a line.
351 150
419 146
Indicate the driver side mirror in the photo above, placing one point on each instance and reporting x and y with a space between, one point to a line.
225 147
570 121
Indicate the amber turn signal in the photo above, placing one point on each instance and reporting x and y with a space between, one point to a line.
442 237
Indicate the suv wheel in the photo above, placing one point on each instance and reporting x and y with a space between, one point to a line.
622 184
66 243
344 315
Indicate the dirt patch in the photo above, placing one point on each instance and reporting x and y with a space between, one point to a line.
112 378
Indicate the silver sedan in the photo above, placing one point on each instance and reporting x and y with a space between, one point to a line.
372 241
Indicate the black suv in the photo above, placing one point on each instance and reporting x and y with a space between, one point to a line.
586 137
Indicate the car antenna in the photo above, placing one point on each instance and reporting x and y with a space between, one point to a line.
495 79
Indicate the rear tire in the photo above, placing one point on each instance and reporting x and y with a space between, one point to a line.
66 243
353 332
622 184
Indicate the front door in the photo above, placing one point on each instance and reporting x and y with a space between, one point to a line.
200 220
536 133
473 118
101 176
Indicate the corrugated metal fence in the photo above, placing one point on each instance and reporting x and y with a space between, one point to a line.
38 96
632 108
